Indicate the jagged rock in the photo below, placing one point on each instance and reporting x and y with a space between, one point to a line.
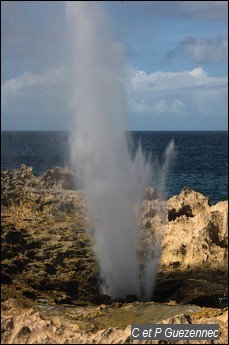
24 325
47 241
194 232
19 185
58 177
51 193
195 235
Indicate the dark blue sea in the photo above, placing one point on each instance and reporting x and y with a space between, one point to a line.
201 160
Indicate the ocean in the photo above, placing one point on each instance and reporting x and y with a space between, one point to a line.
201 160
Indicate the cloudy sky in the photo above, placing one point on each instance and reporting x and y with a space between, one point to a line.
174 61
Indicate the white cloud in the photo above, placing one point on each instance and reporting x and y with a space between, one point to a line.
42 101
28 80
36 101
164 106
141 82
191 93
212 102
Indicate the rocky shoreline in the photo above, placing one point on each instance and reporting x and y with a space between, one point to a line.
48 259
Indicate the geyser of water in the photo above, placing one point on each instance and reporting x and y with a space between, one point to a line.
112 180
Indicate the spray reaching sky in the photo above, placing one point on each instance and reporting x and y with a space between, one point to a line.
114 182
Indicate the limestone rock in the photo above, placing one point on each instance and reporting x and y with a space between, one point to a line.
52 192
25 325
58 177
191 237
47 241
195 235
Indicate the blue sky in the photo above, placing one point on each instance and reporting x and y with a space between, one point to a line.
174 61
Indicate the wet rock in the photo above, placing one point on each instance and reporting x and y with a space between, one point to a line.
25 325
151 194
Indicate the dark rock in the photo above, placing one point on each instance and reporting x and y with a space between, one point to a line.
183 211
6 279
30 294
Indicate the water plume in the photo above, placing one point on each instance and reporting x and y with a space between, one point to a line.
114 183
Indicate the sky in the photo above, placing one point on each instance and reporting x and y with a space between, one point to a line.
175 70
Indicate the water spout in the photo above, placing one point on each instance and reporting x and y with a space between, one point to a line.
114 183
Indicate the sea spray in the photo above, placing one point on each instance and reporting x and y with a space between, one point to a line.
114 182
153 248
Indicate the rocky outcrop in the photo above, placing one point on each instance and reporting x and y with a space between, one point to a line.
194 232
58 177
21 185
25 325
48 261
193 241
50 194
47 242
46 250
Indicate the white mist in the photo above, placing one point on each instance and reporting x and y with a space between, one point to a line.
114 183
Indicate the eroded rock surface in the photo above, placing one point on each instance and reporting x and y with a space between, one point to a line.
47 252
26 325
194 232
194 245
